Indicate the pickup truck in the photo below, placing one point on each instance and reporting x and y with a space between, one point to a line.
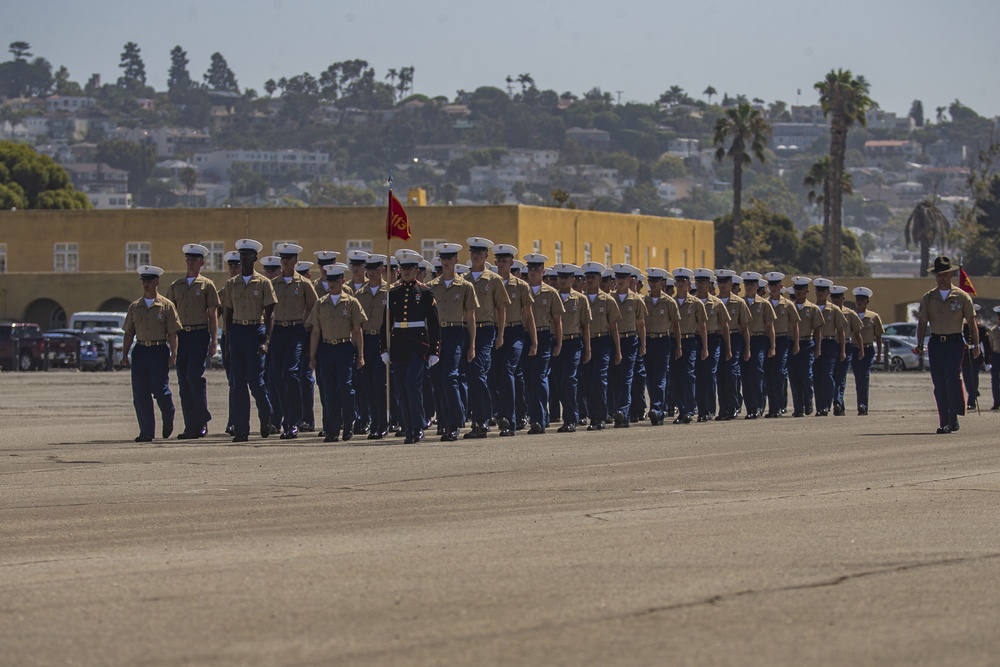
22 346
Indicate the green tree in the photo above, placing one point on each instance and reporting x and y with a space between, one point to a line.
245 182
219 77
817 180
669 167
845 101
269 87
926 226
137 159
29 180
746 132
20 50
710 92
772 241
978 226
133 68
179 79
63 86
917 113
325 193
189 177
449 193
811 255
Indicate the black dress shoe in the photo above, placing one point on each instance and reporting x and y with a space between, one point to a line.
418 436
348 434
503 424
267 429
838 411
752 415
477 433
566 428
683 419
241 438
330 438
306 427
203 431
944 429
583 421
184 435
375 435
809 409
536 429
671 412
596 426
230 430
522 424
619 418
954 426
360 429
144 438
449 436
507 432
400 433
862 411
798 414
168 427
322 434
702 418
822 413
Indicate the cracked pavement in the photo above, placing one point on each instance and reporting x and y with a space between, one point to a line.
836 541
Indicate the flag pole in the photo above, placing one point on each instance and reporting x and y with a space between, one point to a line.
388 322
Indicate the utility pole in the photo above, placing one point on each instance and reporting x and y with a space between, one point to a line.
619 96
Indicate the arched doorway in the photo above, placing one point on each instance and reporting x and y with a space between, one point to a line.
46 313
114 305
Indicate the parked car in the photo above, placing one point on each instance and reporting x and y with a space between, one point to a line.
95 319
116 340
21 346
94 350
63 350
901 353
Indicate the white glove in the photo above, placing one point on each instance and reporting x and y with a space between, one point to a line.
432 360
385 357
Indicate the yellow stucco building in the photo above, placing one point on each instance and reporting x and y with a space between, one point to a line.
55 263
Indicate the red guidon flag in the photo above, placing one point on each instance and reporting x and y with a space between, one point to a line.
964 283
396 223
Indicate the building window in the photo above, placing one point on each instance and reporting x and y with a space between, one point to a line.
136 254
3 258
275 244
360 244
607 254
586 252
427 248
216 255
66 257
628 254
558 252
536 246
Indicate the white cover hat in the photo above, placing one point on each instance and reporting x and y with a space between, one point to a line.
802 281
750 275
838 290
149 270
535 258
593 267
725 273
479 242
358 256
288 249
232 257
863 291
704 274
774 276
336 270
683 272
303 266
518 265
448 248
409 258
822 283
271 262
249 244
504 249
326 256
566 269
657 274
194 249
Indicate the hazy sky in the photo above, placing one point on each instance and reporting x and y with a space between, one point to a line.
919 49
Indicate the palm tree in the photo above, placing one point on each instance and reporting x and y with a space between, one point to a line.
709 92
747 132
391 75
845 100
526 81
925 226
817 180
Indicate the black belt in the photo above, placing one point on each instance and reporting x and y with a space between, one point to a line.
600 335
780 335
336 341
941 338
829 338
480 325
657 335
540 329
196 327
287 323
754 335
445 325
513 324
150 343
628 334
248 322
373 333
684 336
572 336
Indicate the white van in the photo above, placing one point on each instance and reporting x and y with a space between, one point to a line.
93 320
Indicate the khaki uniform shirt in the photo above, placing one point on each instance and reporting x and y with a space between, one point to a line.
336 321
785 312
761 312
633 309
194 300
295 297
810 318
693 314
222 319
871 326
853 324
716 314
576 309
661 314
546 307
739 313
520 296
491 293
374 306
604 312
454 301
946 316
994 334
833 320
248 300
153 323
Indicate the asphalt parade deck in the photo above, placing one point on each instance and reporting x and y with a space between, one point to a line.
834 541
